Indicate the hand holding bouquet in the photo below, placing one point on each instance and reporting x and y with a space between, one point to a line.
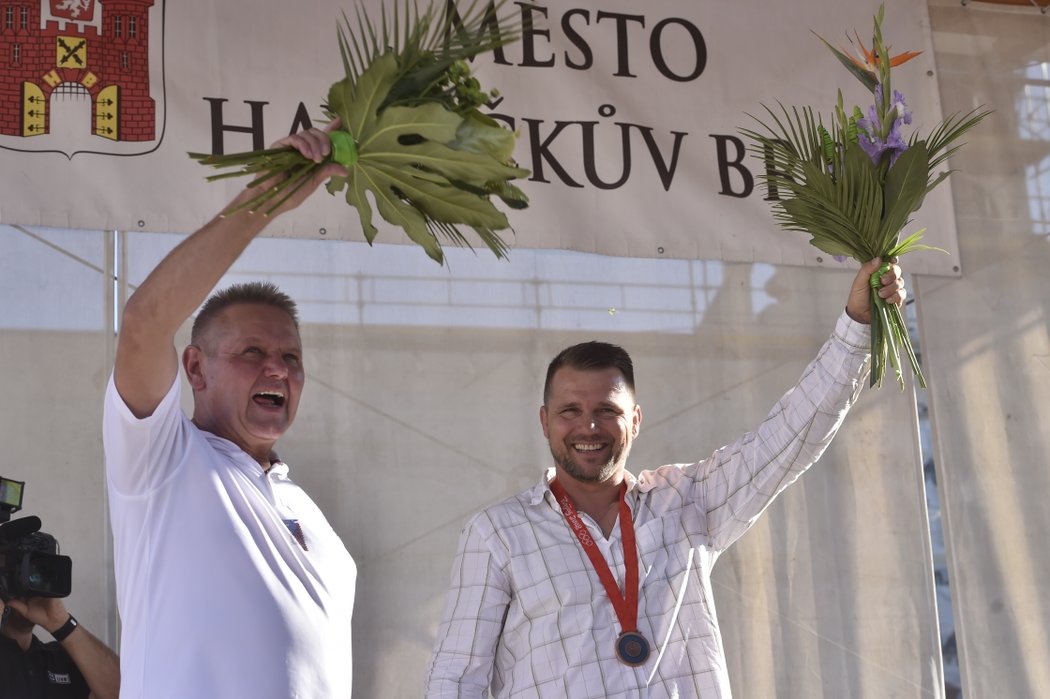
409 132
853 185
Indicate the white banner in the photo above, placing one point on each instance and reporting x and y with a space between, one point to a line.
628 115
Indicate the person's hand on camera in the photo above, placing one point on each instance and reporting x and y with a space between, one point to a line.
49 613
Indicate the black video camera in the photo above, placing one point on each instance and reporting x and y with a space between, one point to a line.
30 565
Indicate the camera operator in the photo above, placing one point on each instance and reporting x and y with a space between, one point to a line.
75 664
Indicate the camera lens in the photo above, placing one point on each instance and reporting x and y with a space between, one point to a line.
47 575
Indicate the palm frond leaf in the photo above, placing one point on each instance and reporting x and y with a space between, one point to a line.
949 131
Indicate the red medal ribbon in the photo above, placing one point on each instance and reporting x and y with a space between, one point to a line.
625 605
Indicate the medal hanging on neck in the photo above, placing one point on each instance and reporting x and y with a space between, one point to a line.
631 646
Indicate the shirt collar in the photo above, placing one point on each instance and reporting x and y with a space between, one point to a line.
34 643
242 459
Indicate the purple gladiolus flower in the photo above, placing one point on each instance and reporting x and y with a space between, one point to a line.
900 108
868 129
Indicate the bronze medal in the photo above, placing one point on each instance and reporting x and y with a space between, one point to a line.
632 648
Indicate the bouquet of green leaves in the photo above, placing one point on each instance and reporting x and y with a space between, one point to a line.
853 185
410 131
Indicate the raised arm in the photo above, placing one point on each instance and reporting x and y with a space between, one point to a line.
738 482
146 361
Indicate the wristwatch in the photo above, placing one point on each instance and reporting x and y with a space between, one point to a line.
65 629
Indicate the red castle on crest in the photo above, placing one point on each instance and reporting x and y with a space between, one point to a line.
67 54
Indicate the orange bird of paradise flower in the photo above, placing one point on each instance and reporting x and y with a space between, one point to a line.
865 68
869 63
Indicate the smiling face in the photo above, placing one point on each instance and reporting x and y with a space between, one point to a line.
590 420
247 375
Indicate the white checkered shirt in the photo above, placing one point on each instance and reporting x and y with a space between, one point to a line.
527 614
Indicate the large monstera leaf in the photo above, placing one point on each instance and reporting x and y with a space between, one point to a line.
423 165
410 131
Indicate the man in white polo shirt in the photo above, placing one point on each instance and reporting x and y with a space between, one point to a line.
230 581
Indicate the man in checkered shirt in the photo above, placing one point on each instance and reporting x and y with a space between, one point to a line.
595 583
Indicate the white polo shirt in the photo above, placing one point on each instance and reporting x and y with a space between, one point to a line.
218 596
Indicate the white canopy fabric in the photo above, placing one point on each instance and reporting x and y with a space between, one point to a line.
986 343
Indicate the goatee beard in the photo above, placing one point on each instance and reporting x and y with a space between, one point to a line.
571 468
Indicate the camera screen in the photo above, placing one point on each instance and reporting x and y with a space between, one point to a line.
11 493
